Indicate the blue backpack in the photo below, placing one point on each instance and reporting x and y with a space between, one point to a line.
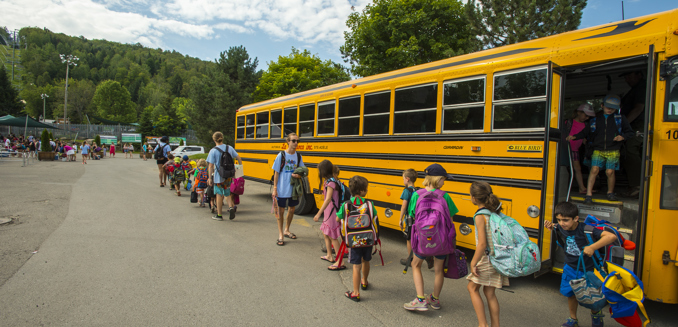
514 254
344 193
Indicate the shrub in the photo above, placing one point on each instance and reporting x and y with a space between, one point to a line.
181 142
44 141
97 140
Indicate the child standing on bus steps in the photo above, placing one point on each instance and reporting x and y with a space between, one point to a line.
330 227
482 272
358 257
409 177
434 181
571 232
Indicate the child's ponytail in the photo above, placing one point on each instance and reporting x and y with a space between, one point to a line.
482 192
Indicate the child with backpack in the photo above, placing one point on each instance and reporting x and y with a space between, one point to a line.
607 132
178 175
200 180
187 169
570 231
406 221
482 272
334 192
431 207
358 256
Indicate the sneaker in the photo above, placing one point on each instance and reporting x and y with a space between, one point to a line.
597 319
612 197
217 217
571 323
588 199
231 213
416 305
435 304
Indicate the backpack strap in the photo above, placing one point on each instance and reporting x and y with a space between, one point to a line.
282 161
588 231
618 122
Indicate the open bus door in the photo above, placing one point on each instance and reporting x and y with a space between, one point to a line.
551 170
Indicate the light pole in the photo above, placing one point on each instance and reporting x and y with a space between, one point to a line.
69 60
13 46
44 99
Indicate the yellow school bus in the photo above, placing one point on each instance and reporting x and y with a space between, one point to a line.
496 116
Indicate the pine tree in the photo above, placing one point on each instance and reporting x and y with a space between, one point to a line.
9 97
502 22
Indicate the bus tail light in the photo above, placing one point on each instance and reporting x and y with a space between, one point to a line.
465 229
388 213
475 148
533 211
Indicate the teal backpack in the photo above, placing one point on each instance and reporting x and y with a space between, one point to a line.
514 254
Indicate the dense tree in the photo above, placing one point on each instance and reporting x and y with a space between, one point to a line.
299 71
393 34
34 102
9 97
224 89
146 122
502 22
80 95
112 101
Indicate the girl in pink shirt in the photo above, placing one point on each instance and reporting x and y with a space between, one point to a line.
330 227
581 115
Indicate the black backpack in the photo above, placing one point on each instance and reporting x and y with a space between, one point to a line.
226 166
282 163
159 153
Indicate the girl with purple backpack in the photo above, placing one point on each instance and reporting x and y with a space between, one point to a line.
482 272
435 179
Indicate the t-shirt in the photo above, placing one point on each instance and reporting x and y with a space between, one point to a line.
285 176
85 149
67 148
214 158
576 128
330 211
407 194
575 240
415 197
356 200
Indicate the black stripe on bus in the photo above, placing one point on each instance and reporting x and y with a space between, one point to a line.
514 136
532 232
386 78
254 160
499 161
254 179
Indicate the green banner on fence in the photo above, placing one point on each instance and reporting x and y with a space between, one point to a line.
107 139
131 138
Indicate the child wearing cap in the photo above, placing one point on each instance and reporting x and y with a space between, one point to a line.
607 132
435 179
177 175
575 125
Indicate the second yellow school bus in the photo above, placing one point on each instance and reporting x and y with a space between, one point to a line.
496 116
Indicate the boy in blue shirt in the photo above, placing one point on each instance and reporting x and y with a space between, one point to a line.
359 257
571 232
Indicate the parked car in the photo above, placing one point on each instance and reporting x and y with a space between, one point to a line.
187 150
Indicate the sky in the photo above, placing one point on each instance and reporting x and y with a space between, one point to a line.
205 28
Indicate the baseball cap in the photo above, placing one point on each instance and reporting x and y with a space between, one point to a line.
177 159
436 170
586 108
185 157
612 101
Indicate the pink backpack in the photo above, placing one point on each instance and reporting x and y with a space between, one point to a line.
238 186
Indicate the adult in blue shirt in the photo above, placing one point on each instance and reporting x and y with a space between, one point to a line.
160 161
282 188
221 185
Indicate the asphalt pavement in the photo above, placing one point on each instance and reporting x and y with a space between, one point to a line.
127 252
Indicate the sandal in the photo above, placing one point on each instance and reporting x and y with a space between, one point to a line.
325 258
280 242
335 268
291 235
352 297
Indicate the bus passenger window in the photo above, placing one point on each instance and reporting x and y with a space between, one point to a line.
262 125
290 122
669 193
241 128
415 109
349 116
672 102
326 118
249 130
376 113
276 122
520 100
306 120
464 105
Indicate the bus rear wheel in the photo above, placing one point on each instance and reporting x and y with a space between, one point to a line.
306 205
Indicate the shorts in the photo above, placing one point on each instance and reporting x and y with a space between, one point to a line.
575 155
569 274
199 190
440 257
161 161
220 189
605 159
357 255
287 202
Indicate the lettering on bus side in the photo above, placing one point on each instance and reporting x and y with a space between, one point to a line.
453 147
309 147
283 147
524 148
320 147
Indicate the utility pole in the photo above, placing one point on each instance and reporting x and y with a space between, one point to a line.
622 10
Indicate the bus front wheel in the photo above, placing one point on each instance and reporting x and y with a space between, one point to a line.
306 205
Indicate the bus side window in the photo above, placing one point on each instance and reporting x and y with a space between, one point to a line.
290 122
672 102
249 129
349 116
377 113
415 109
669 192
241 128
464 105
262 125
520 100
276 121
306 120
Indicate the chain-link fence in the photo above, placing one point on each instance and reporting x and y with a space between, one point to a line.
86 131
